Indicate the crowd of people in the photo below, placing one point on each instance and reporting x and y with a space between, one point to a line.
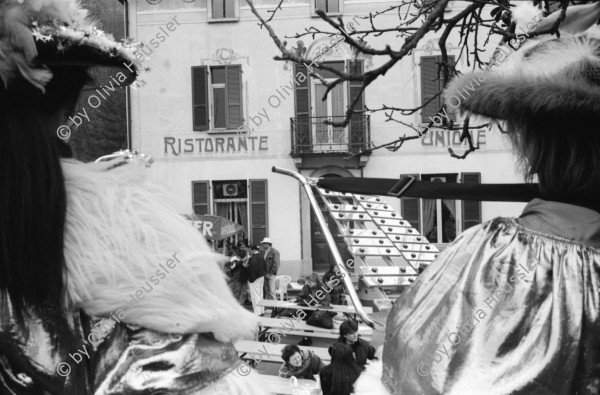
349 357
251 272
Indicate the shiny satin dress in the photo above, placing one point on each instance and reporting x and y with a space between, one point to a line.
52 354
511 307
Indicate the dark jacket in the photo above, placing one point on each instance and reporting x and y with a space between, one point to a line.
323 297
363 351
257 267
311 366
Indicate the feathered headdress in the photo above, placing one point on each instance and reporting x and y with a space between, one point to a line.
35 34
550 81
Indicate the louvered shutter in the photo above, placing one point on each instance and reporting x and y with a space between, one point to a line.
234 96
229 8
200 98
411 210
302 138
471 210
432 82
200 198
321 5
358 126
258 210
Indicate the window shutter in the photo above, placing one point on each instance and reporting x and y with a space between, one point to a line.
333 6
234 96
217 9
358 126
431 84
259 228
321 5
200 97
471 210
230 8
302 108
200 201
411 210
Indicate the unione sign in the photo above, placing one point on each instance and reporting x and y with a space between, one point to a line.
451 138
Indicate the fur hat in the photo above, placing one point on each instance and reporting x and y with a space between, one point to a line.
552 81
35 34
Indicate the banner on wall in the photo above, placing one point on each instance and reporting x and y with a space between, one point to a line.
214 227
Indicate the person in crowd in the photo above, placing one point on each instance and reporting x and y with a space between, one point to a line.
308 295
96 245
512 305
361 349
271 256
302 364
242 252
238 275
339 376
257 268
313 294
334 284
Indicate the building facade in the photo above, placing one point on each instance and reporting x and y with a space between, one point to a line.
217 112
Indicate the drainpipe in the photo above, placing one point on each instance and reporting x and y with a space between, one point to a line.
128 89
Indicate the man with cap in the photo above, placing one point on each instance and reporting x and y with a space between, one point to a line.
271 256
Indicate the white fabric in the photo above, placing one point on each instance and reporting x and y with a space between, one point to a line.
127 249
256 294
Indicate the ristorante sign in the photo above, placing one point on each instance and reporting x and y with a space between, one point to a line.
212 145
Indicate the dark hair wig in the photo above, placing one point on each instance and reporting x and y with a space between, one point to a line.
566 163
288 351
32 190
343 370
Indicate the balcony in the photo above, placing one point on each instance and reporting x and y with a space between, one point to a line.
311 137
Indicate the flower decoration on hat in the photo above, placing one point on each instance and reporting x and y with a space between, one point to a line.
36 34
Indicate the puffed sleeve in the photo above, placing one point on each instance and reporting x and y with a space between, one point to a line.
140 361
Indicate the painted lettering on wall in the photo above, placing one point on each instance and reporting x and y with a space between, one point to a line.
176 146
451 138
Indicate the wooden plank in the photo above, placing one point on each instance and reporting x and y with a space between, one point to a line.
280 385
271 352
336 308
285 326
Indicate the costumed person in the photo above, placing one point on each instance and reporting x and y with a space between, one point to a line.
512 306
298 363
338 378
362 350
104 288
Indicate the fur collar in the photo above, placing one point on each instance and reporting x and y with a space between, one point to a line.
127 250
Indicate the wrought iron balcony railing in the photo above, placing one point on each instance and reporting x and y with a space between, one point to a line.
310 135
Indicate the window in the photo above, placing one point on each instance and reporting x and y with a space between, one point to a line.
438 219
219 10
244 202
330 7
311 134
217 97
432 83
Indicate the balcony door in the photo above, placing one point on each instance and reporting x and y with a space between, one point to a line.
327 137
